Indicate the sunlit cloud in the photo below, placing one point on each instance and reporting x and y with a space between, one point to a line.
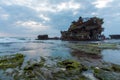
69 5
101 3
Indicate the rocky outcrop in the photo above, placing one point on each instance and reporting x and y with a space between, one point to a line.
115 36
45 37
84 29
42 37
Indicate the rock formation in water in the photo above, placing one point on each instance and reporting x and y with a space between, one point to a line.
45 37
117 36
84 29
42 37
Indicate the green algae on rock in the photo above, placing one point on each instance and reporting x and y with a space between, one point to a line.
31 66
103 45
116 68
11 61
85 48
64 70
92 48
106 74
72 65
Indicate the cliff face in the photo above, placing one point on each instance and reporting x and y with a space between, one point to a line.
84 29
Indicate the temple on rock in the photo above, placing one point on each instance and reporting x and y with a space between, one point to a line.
84 29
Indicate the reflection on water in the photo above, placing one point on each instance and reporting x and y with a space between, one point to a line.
80 54
112 56
34 49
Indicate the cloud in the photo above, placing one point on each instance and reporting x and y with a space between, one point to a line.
44 6
32 25
62 6
4 16
44 17
2 34
69 5
101 3
117 14
32 17
94 13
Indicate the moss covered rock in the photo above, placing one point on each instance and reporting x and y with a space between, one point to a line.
11 61
116 67
72 65
106 75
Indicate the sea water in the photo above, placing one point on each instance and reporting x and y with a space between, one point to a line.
33 49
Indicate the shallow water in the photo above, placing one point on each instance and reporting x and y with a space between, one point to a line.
112 56
89 74
33 49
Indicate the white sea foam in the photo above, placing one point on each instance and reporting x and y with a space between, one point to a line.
13 39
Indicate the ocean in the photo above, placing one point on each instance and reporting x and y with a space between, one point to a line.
33 49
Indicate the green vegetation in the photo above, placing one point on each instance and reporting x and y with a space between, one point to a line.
72 65
92 48
107 73
103 45
11 61
65 69
31 66
86 48
116 67
32 71
58 70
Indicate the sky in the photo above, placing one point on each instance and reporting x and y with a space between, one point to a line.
29 18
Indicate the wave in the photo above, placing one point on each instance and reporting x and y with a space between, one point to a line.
13 39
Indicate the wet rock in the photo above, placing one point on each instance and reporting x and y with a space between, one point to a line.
46 73
86 48
9 71
89 74
106 75
11 61
72 65
116 67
